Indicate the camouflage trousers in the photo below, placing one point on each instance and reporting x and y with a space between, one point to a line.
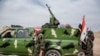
39 45
36 50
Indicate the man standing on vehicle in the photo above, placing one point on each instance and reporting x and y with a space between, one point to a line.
39 42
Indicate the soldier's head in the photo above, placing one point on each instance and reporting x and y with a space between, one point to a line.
37 29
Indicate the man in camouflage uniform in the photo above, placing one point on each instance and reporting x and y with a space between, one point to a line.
39 42
87 45
53 21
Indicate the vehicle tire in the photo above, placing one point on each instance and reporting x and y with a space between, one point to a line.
81 54
52 53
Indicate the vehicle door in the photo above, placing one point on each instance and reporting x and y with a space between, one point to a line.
23 42
19 43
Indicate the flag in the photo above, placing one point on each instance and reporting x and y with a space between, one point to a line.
84 29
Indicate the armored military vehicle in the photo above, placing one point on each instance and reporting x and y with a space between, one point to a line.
59 41
63 41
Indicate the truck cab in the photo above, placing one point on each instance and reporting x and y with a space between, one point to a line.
13 40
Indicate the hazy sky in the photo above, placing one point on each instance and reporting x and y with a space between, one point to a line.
34 12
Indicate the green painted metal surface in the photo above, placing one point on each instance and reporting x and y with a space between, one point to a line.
64 39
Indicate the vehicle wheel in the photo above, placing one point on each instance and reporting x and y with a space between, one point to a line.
81 54
52 53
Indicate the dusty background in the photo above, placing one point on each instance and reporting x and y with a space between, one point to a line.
96 45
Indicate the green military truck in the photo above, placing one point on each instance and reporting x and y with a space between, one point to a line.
59 41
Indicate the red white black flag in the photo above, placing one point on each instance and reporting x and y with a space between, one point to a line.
84 29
